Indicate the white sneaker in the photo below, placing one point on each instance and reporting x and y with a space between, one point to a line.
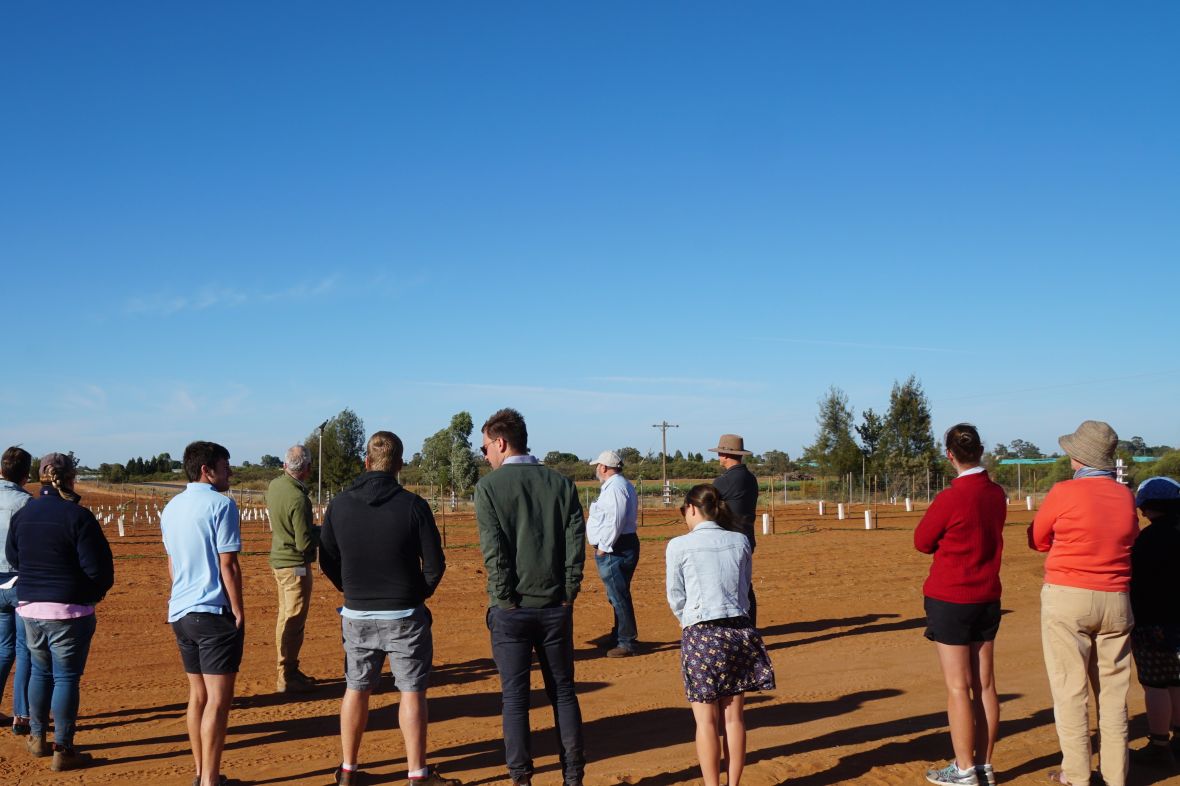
985 774
953 775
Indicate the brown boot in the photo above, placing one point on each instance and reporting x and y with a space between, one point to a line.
37 745
65 757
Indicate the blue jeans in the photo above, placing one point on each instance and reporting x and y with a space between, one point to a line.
13 650
58 651
516 633
616 570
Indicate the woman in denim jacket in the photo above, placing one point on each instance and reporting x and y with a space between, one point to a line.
721 654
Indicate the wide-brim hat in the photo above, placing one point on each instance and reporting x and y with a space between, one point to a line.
732 444
1093 444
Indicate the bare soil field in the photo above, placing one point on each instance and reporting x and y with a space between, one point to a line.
860 698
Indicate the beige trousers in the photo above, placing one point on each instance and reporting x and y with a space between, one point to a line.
294 600
1086 636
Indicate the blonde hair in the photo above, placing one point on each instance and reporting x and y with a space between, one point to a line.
62 481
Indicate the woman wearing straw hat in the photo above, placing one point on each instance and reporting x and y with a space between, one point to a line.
1088 525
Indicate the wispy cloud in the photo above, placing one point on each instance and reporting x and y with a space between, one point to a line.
89 397
692 381
164 304
858 345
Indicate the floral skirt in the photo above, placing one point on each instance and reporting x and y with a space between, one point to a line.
723 658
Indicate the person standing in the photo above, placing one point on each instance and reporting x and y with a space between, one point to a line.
381 548
964 529
202 535
14 474
533 539
292 553
65 568
739 490
1088 526
1155 602
611 529
721 654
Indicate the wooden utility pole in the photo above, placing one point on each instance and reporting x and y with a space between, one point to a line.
663 426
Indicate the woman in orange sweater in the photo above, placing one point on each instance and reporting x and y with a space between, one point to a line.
1088 525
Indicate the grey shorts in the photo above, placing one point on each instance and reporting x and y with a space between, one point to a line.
407 642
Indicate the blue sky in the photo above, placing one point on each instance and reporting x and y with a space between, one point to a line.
229 221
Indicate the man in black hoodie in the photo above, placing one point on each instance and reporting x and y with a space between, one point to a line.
379 545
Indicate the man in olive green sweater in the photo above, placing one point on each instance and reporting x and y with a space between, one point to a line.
533 539
292 551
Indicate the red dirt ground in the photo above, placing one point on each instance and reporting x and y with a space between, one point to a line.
859 699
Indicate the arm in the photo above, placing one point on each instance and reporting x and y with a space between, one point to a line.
1040 531
674 581
301 526
10 552
330 551
575 545
610 509
94 555
933 525
434 561
496 552
231 578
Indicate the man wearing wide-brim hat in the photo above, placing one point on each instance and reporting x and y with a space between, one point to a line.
1088 525
739 490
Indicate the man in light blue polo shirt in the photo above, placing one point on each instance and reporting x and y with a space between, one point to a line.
202 535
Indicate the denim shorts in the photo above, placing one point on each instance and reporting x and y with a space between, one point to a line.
407 642
209 643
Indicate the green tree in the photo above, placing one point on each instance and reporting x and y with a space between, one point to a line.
1021 449
447 459
834 450
776 462
555 457
271 462
343 450
630 456
907 447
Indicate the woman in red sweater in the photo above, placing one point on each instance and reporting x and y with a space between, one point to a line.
964 529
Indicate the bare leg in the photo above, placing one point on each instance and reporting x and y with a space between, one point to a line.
735 737
985 703
354 716
956 672
708 748
219 689
197 698
412 717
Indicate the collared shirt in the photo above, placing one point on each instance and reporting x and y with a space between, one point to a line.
615 513
521 460
198 525
708 574
972 471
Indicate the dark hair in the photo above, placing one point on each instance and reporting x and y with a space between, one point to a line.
963 442
1165 507
202 454
707 499
16 464
508 424
384 451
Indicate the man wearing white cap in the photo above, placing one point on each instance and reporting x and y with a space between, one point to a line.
611 530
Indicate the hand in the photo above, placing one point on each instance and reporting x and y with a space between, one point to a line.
599 553
240 620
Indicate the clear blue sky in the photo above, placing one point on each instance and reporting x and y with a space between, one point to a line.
229 221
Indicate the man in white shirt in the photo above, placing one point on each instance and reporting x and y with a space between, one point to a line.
611 529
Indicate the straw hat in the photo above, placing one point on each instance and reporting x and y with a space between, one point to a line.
1093 444
731 444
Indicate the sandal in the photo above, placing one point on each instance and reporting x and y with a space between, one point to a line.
1057 776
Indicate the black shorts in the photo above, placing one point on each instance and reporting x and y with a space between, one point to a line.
961 623
209 643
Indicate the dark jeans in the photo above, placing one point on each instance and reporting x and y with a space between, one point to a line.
58 650
615 570
516 634
13 650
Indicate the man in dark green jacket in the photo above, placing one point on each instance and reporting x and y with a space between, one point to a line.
533 538
292 551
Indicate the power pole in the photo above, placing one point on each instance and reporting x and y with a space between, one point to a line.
663 426
319 491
